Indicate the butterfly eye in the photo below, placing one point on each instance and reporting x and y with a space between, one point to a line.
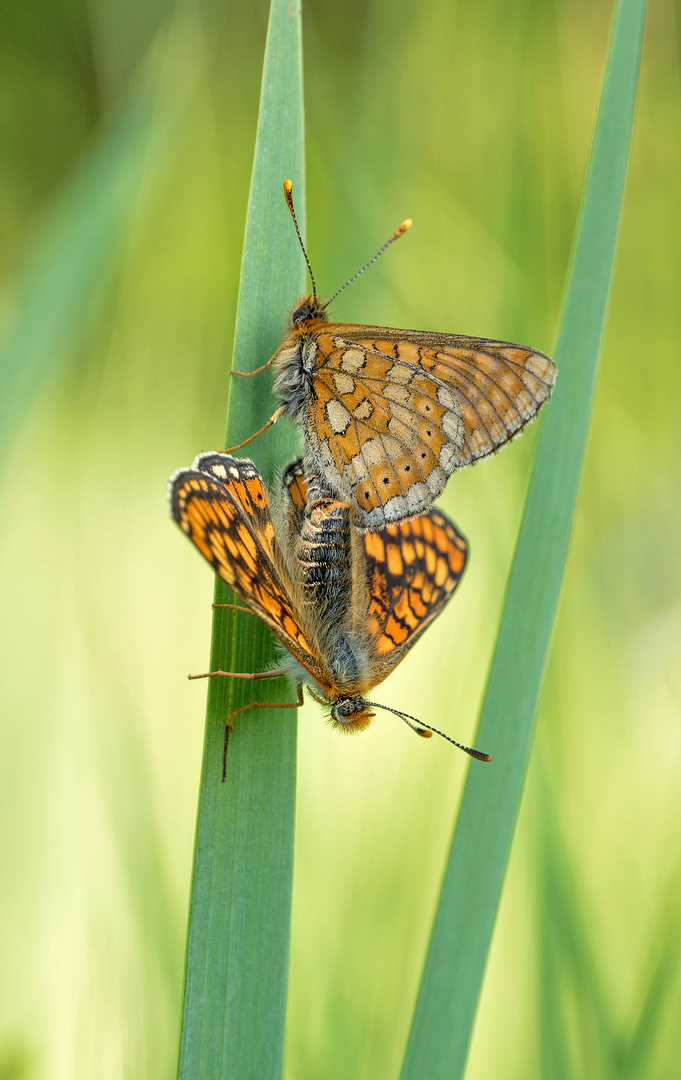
345 709
302 313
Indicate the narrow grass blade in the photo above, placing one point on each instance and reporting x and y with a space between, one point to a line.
238 934
457 953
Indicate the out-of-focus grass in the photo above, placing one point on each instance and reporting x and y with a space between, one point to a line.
440 1034
476 122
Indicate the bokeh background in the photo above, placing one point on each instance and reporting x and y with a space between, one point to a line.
127 132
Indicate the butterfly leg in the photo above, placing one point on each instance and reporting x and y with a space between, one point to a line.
229 726
272 420
297 704
256 371
235 607
277 674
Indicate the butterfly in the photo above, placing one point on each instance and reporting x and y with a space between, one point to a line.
388 415
346 606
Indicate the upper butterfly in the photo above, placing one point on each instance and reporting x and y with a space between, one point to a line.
388 415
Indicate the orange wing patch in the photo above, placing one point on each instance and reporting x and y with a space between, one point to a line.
242 480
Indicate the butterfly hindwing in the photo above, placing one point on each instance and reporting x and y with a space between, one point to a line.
413 568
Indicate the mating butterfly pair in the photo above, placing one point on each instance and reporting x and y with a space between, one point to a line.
387 416
347 606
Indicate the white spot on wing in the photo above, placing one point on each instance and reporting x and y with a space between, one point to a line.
436 481
398 394
448 457
344 384
338 417
373 452
364 410
446 397
400 373
353 359
453 427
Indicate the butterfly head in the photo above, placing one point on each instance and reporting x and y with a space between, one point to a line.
307 308
348 713
351 714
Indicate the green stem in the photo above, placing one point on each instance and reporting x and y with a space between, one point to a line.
238 934
457 954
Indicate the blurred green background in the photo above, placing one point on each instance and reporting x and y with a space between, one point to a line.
127 133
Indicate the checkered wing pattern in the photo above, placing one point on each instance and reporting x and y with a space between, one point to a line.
412 571
389 414
221 505
395 413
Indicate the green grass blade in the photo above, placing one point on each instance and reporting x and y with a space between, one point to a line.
77 240
238 934
578 1023
457 953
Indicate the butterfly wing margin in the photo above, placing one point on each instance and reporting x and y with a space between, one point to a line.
413 569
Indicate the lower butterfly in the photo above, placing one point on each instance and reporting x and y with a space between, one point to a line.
347 606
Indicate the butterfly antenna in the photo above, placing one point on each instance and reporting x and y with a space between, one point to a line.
288 195
427 732
406 224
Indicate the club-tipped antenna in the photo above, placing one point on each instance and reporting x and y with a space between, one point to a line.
426 731
402 228
288 195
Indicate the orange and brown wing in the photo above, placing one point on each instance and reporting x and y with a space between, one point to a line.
394 413
245 485
412 571
294 482
294 490
237 538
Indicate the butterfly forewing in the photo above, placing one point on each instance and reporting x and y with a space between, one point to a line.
237 539
244 483
389 414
